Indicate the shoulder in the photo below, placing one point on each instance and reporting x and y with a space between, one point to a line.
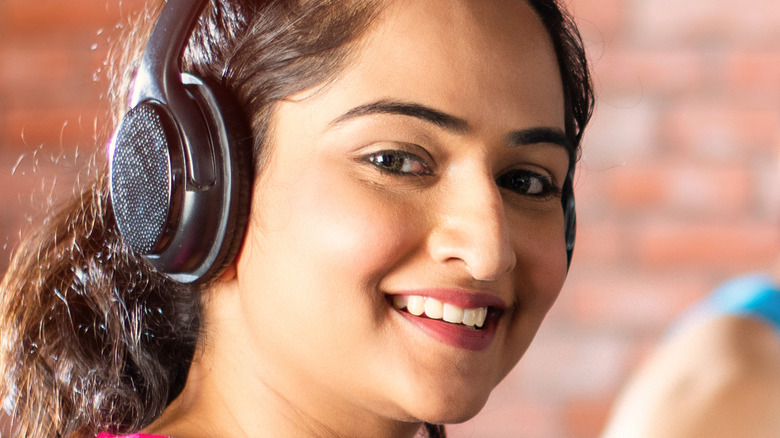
719 378
728 349
736 343
717 375
729 378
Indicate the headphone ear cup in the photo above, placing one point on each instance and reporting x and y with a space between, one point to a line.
189 232
569 216
235 143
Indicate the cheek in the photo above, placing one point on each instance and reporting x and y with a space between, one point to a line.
538 241
542 260
319 248
355 230
339 232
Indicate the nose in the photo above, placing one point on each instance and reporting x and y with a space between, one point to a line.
472 228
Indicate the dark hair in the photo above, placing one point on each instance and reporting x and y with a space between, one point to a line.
93 339
579 99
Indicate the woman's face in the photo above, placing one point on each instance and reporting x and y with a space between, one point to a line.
425 176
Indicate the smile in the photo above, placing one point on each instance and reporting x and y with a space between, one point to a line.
457 318
434 309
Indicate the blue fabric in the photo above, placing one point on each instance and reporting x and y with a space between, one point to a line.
755 296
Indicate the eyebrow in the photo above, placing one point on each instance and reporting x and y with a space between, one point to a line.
438 118
529 136
521 137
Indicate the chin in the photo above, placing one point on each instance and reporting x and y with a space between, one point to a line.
449 408
454 416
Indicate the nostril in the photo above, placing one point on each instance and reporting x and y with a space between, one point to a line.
483 258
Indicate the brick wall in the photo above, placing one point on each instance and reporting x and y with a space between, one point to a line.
51 80
677 188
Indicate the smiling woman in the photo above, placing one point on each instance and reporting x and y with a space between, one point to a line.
408 228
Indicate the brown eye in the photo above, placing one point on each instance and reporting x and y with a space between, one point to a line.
528 183
399 162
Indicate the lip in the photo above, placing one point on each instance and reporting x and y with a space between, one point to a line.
457 335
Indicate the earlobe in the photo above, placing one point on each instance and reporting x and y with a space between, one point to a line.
229 274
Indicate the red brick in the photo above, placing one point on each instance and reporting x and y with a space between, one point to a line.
621 133
704 23
597 240
630 300
753 76
625 71
712 245
600 21
639 186
690 189
40 79
64 16
25 69
53 127
719 129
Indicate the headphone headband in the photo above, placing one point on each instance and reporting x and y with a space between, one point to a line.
159 79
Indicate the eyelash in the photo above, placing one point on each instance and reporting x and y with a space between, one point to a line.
521 181
390 160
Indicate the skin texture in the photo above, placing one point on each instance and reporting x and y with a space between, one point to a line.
300 337
720 378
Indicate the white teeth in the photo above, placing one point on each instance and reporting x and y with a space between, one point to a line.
415 305
452 314
481 316
435 309
470 317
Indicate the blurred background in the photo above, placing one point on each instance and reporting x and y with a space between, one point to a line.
677 189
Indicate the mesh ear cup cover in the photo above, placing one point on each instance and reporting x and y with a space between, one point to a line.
141 178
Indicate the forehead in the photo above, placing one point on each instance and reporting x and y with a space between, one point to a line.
485 55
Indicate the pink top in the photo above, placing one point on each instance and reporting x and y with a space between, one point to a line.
135 435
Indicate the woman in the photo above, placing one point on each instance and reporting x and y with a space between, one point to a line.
411 223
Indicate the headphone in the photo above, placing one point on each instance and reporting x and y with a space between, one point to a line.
179 170
569 213
179 174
